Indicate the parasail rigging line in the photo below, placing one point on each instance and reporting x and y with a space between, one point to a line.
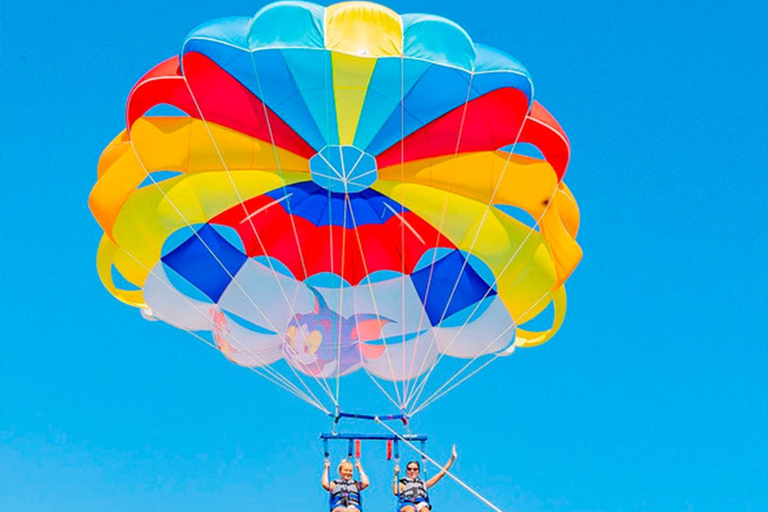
486 211
215 257
265 371
373 299
439 393
402 232
205 315
495 281
426 457
459 135
325 383
321 383
212 253
290 212
297 392
341 294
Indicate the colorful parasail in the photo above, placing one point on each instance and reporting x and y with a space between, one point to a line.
340 189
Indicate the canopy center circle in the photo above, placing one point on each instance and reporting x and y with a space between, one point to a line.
343 169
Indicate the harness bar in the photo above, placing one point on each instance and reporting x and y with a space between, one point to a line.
372 437
356 416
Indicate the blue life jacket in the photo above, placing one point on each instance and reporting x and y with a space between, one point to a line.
413 490
345 493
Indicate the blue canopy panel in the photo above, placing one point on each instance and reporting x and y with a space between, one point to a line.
322 207
289 24
436 91
442 301
279 56
207 261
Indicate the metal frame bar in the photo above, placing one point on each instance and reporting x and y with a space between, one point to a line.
387 417
370 437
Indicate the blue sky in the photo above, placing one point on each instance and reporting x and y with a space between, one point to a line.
654 396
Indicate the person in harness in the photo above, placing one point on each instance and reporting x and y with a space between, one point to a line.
412 491
345 491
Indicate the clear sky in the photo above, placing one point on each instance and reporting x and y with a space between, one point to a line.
653 397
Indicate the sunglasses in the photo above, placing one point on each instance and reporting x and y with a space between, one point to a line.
411 469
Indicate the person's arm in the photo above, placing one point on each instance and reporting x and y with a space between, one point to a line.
324 480
364 482
396 481
432 481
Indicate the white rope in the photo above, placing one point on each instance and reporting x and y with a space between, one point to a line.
381 388
212 253
493 284
402 231
263 101
348 204
438 394
436 464
486 211
330 236
414 381
237 342
341 296
269 373
297 393
323 385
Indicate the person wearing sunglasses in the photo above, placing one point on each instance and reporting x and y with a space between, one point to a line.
412 491
345 491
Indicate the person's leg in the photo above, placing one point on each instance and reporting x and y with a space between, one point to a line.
339 509
408 508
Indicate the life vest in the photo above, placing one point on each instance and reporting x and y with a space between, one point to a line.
413 490
345 493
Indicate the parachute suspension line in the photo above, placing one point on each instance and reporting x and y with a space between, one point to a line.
331 244
324 384
426 457
477 306
265 371
373 299
263 100
249 217
189 225
439 393
381 388
330 234
459 135
332 260
215 257
293 389
326 84
406 370
484 217
375 305
265 368
341 294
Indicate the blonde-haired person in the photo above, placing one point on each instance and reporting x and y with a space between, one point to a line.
345 490
412 491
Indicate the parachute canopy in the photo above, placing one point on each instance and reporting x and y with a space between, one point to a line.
340 191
